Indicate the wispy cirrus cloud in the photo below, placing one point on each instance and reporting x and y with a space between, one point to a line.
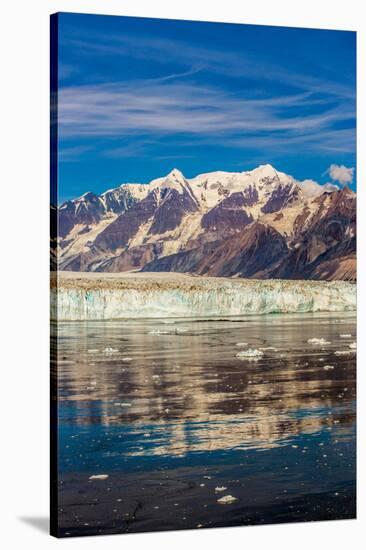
178 103
73 153
322 141
188 108
227 63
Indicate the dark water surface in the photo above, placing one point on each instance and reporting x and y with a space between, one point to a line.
176 421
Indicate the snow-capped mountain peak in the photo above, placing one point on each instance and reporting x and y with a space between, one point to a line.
176 175
264 171
173 180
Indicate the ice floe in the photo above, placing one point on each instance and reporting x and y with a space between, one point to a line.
109 350
318 341
227 499
251 353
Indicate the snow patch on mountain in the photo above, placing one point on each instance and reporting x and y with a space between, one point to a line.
78 237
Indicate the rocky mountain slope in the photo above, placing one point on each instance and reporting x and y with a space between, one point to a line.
257 224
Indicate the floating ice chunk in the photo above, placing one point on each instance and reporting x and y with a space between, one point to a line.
93 350
344 352
219 489
99 476
318 341
242 344
108 350
250 353
353 345
268 348
159 332
126 359
328 367
227 499
345 335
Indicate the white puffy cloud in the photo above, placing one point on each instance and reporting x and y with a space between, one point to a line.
329 187
311 188
341 173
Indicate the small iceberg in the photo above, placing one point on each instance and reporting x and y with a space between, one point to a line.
227 499
110 350
345 335
241 344
250 354
328 367
318 341
99 476
219 489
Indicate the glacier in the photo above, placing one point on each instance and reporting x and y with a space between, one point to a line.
97 296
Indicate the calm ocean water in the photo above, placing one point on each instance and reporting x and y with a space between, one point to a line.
192 436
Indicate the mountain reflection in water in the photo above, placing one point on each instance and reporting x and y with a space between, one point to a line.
143 397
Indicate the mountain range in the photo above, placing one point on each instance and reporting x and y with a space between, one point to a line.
257 224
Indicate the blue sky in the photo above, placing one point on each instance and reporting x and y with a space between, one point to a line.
138 97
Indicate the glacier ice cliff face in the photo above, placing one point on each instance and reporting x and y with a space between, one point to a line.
95 298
